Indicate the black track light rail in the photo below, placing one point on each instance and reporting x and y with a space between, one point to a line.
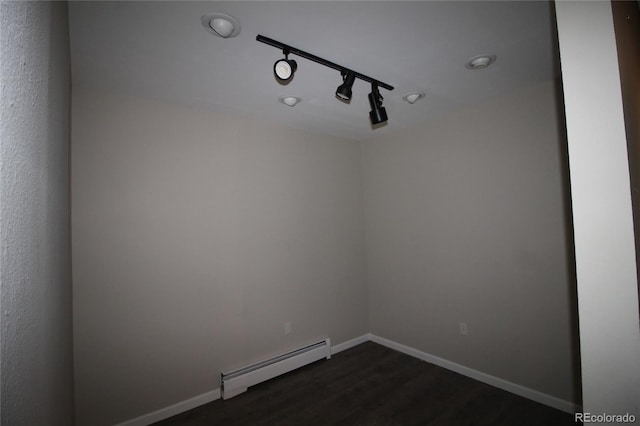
286 49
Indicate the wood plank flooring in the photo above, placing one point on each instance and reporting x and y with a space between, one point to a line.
371 385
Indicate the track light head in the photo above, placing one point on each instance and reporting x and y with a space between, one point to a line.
378 113
343 91
284 69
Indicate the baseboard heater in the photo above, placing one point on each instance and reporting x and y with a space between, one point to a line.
237 381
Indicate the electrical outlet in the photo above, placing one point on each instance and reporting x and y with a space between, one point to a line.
287 327
464 330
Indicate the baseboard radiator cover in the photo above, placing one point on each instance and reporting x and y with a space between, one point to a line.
237 381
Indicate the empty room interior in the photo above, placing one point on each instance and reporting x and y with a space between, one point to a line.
192 188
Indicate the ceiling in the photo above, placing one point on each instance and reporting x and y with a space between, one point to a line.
160 50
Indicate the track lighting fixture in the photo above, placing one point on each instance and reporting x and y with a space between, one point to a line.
378 113
344 90
284 69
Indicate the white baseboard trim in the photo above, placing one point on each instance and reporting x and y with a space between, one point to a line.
350 343
534 395
174 409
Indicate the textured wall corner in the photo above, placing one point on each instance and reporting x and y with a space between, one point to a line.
37 363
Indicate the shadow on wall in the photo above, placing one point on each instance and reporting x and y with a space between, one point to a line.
568 217
572 288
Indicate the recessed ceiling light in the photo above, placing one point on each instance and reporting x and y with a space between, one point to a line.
221 24
412 98
289 100
480 62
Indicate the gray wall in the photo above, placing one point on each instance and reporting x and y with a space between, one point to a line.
195 237
466 222
37 370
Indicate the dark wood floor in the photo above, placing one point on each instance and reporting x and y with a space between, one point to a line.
372 385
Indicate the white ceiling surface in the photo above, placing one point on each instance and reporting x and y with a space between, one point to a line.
161 50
